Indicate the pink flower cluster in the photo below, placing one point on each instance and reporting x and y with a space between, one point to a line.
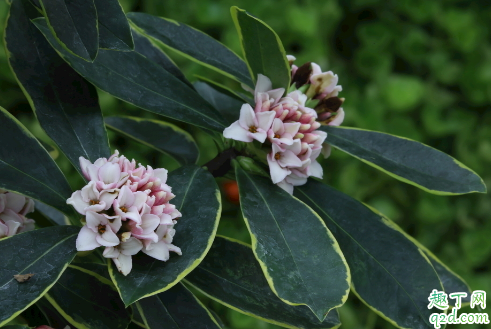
126 210
13 209
289 127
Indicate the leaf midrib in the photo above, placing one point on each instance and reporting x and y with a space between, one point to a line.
42 255
24 173
388 159
368 253
161 95
284 239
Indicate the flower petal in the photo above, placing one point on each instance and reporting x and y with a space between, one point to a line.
111 252
247 117
158 251
289 159
131 247
77 202
286 186
93 220
236 132
123 264
86 239
265 120
15 201
339 118
108 238
277 173
263 84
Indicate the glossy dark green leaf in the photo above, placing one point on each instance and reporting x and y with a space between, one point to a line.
224 90
147 48
389 272
160 135
87 302
231 275
53 215
75 25
136 317
198 199
451 281
227 106
65 104
407 160
298 255
193 44
16 326
55 319
133 78
27 168
263 50
177 308
114 29
100 271
45 253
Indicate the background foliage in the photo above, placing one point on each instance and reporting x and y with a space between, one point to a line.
414 68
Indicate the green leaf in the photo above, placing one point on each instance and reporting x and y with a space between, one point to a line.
87 302
45 253
53 215
97 270
162 136
228 107
74 23
389 272
262 48
147 48
65 104
407 160
27 168
193 44
224 90
451 281
16 326
231 275
136 317
177 308
135 79
55 319
298 255
114 29
198 199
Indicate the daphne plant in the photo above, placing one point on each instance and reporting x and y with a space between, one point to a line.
126 249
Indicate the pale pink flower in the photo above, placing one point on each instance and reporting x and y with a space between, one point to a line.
121 254
90 199
128 204
283 133
160 250
281 161
250 125
98 231
13 208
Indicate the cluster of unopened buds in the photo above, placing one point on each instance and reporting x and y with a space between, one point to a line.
126 210
289 126
13 210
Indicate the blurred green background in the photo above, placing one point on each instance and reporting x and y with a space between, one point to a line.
415 68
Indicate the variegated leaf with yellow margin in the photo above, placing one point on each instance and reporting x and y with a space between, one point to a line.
231 275
160 135
263 50
193 44
43 181
45 253
176 308
451 281
389 272
199 201
87 300
138 80
299 256
407 160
